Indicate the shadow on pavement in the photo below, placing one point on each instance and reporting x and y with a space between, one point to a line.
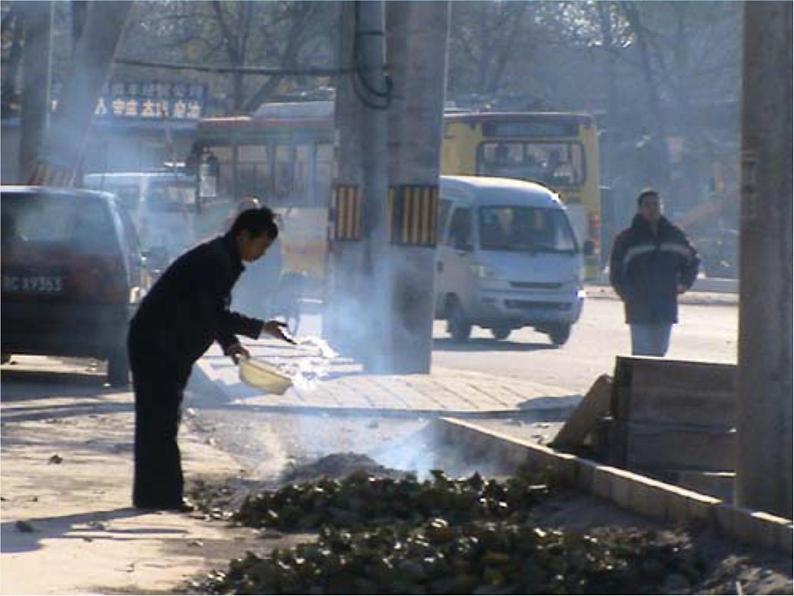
57 412
27 535
479 344
36 383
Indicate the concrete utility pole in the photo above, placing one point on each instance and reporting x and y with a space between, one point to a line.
764 464
372 91
62 152
341 317
417 44
36 80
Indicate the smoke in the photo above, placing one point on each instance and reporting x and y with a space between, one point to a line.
309 365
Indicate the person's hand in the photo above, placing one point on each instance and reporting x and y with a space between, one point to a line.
237 352
681 288
276 329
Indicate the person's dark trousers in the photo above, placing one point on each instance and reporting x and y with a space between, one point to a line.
159 384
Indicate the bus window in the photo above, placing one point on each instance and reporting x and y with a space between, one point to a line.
284 175
323 175
254 177
554 164
301 174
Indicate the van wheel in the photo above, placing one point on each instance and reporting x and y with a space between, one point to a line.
501 332
559 334
458 325
118 368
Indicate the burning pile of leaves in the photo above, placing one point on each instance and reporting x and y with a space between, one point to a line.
443 536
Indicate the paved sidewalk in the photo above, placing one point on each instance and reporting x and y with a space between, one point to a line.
598 291
345 388
67 525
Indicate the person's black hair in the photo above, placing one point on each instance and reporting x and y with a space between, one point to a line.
646 192
256 222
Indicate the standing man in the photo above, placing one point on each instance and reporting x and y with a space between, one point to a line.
651 263
185 311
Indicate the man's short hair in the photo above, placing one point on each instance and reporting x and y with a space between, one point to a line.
256 222
646 192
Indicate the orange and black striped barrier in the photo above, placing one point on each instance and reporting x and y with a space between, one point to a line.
346 215
413 214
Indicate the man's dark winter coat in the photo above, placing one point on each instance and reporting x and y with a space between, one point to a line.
188 306
175 324
646 268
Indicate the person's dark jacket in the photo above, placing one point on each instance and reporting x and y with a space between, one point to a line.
188 306
646 269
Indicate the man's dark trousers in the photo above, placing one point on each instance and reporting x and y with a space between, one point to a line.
159 382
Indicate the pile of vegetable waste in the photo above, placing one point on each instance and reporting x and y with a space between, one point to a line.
473 558
443 536
362 500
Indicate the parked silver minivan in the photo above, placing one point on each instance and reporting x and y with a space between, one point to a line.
507 258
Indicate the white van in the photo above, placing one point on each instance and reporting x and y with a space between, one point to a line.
507 258
161 205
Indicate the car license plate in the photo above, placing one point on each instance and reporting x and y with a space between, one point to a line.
33 284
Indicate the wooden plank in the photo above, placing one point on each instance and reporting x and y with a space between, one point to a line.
584 418
673 391
668 405
650 446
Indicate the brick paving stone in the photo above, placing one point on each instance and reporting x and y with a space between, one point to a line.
345 385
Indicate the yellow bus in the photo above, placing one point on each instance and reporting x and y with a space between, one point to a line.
557 149
283 154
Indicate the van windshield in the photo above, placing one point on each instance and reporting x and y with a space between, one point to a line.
170 196
525 229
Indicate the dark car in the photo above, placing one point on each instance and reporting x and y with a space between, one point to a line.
72 275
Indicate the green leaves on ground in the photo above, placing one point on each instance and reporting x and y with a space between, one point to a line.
361 500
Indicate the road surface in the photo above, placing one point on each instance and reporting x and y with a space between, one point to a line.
267 442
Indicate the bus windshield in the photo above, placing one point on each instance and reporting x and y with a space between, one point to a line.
553 164
525 229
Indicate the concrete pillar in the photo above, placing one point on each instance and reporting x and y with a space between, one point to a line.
36 80
342 300
417 47
764 384
373 93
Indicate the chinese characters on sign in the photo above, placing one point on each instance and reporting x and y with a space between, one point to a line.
152 100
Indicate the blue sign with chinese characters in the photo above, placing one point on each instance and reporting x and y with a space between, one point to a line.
152 100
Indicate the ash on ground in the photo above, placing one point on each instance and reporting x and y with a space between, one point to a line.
337 466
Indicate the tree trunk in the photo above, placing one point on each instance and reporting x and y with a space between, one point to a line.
65 141
36 83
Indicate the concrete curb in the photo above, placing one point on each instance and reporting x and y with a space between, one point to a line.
625 489
691 298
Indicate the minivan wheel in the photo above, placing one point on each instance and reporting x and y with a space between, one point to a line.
501 332
457 323
559 334
118 368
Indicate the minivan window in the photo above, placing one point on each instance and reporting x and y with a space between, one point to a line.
94 231
35 219
525 229
460 229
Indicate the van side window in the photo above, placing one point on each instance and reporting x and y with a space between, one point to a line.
460 229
